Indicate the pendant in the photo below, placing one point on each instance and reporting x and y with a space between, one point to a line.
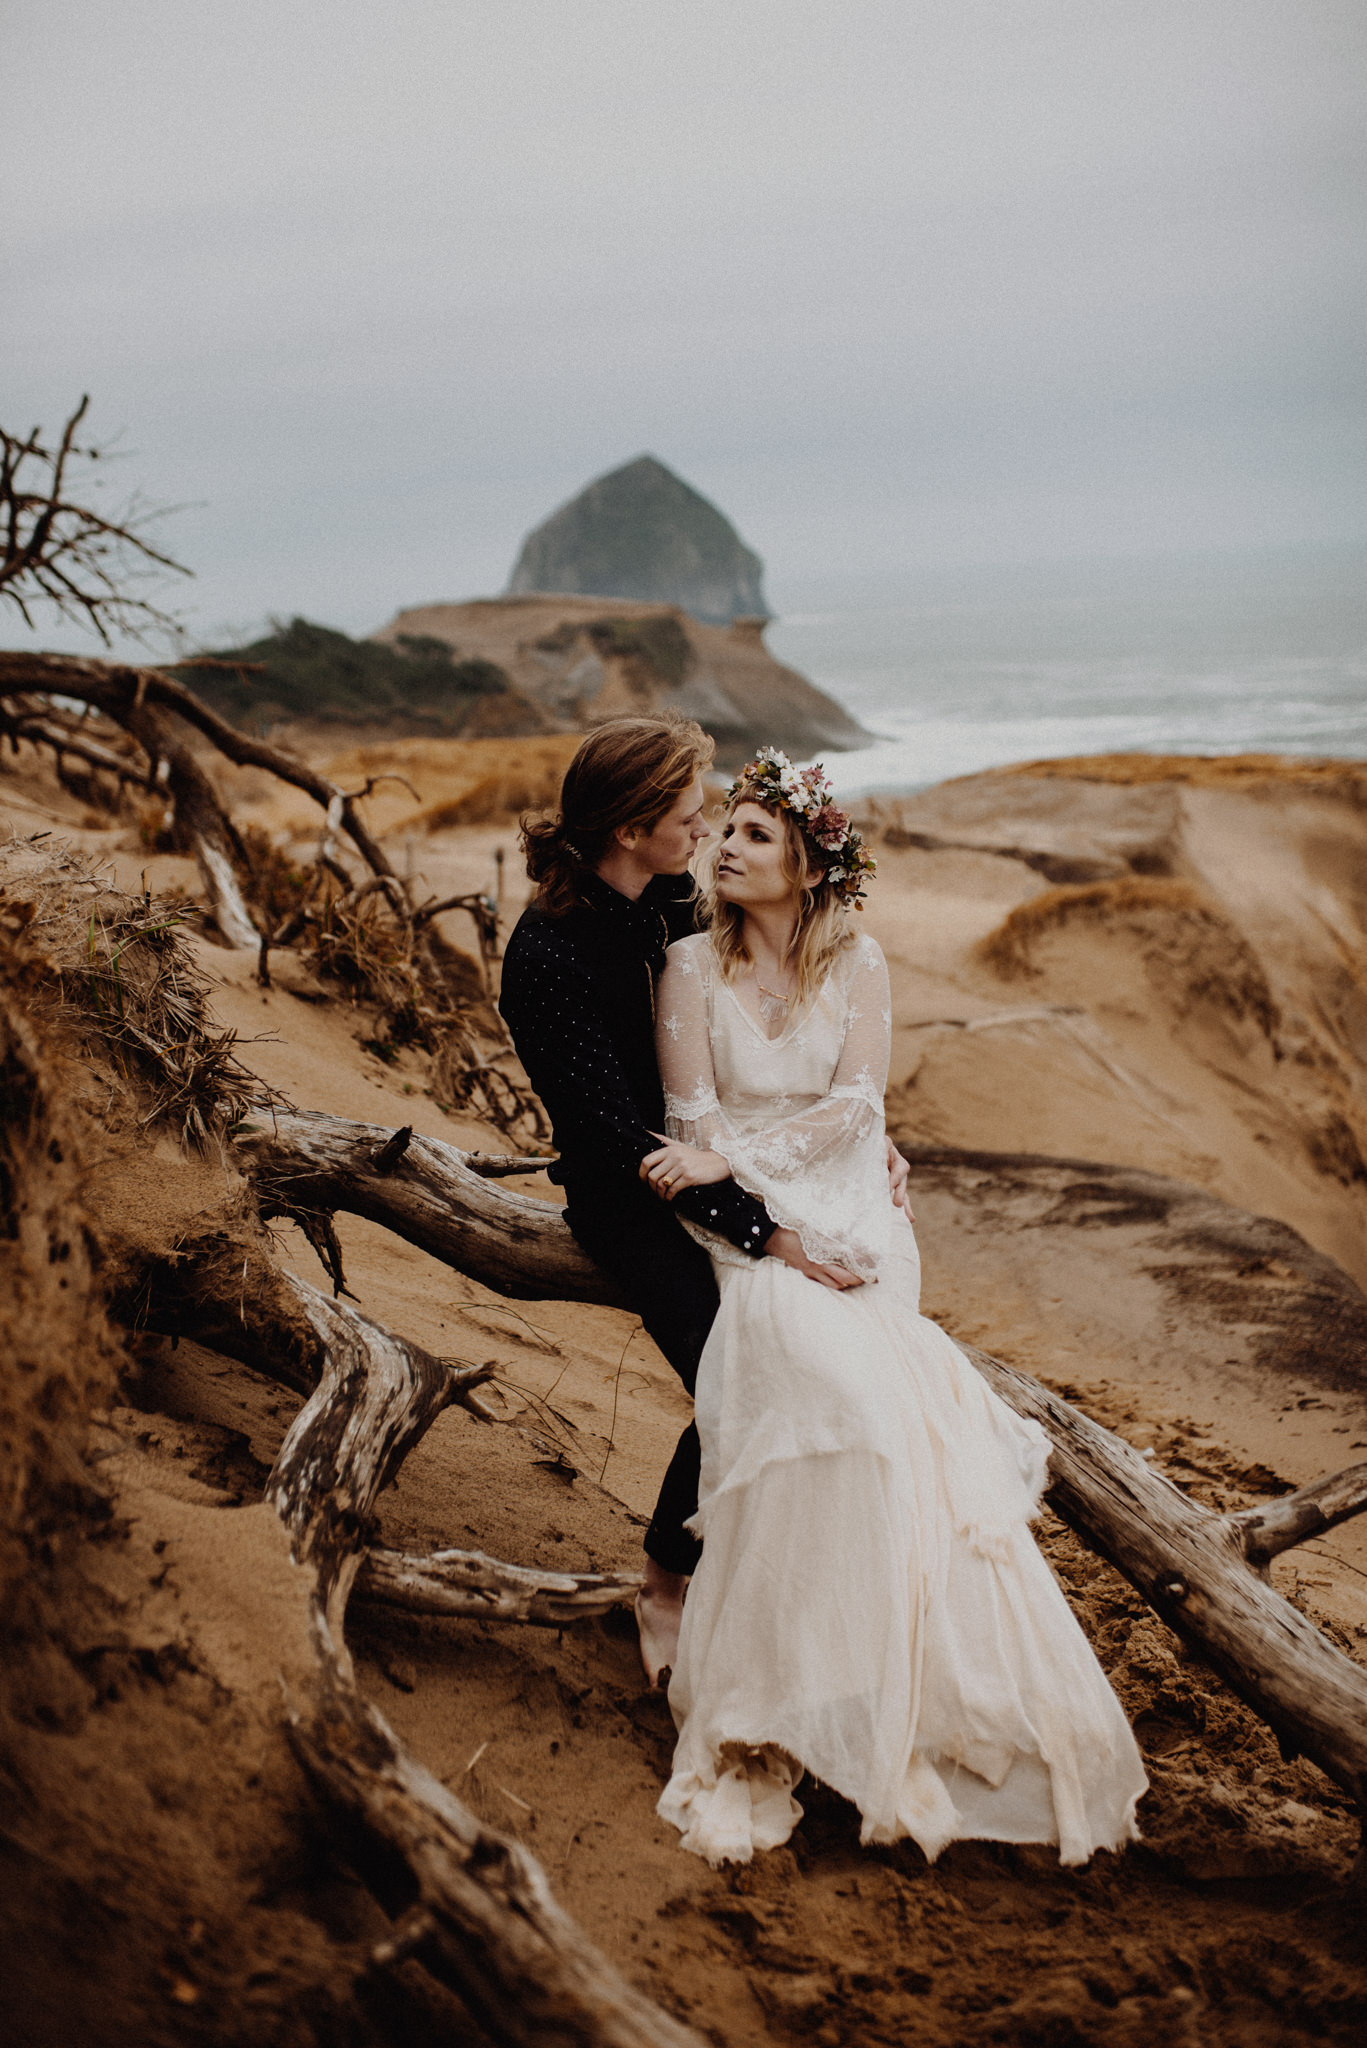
773 1010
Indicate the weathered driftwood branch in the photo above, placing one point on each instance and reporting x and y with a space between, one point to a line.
512 1242
501 1165
124 697
376 1397
478 1910
471 1905
224 1289
480 1588
485 1922
139 699
1192 1568
1263 1533
113 687
1191 1565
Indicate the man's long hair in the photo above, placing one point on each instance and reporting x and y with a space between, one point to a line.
824 926
625 776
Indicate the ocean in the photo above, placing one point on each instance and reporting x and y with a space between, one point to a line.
954 671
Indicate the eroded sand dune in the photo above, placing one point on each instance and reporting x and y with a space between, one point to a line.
1197 1042
1165 972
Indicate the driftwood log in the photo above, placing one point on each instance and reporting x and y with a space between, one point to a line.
470 1903
480 1588
1203 1573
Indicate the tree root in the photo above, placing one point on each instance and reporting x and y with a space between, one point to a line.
479 1588
1199 1571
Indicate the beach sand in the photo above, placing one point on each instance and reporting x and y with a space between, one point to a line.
1102 1094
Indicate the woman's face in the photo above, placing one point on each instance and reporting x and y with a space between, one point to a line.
750 866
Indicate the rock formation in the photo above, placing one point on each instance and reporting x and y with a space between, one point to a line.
641 532
580 661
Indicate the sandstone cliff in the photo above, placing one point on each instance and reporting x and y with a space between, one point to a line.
581 661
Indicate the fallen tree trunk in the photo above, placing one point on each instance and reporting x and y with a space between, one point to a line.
471 1905
1198 1570
474 1906
425 1192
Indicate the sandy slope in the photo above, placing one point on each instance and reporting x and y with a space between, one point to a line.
1221 1039
178 1830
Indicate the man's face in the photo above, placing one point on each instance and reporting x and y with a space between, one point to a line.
668 848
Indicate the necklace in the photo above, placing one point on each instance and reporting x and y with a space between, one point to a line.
773 1007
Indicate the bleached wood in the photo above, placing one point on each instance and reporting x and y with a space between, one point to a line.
1192 1566
513 1242
480 1588
1265 1532
484 1919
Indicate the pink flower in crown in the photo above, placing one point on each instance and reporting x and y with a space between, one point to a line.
829 827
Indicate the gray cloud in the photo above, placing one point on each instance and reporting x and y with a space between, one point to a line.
895 283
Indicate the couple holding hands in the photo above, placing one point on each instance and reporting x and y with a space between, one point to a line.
849 1513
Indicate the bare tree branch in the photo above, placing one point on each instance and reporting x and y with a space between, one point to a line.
1191 1566
63 553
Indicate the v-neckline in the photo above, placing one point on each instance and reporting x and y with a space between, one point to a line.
761 1035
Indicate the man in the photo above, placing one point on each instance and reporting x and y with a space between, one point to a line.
578 996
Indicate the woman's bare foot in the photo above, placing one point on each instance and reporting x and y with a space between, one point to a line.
659 1611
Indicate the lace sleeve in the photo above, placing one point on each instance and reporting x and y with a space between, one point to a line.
683 1045
683 1042
795 1164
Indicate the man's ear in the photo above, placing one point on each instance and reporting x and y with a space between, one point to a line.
627 837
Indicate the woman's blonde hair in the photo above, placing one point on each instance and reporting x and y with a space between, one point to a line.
823 925
626 775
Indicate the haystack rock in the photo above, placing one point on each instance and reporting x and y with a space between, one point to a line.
641 532
580 660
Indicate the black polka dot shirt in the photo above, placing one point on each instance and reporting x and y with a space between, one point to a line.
578 997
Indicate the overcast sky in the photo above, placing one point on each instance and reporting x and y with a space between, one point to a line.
895 282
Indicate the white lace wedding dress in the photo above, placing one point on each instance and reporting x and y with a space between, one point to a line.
870 1605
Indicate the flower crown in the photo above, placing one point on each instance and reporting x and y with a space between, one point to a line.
805 793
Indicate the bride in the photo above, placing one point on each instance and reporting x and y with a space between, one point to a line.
870 1606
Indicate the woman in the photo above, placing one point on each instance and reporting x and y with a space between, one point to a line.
870 1605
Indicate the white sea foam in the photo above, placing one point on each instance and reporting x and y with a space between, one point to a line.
1251 654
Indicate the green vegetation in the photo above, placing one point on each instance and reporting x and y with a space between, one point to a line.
661 643
307 671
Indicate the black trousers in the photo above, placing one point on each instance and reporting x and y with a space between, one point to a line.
668 1280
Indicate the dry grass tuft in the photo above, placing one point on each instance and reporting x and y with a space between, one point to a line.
1191 951
115 967
421 991
1337 778
1009 949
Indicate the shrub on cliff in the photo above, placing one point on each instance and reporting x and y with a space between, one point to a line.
303 670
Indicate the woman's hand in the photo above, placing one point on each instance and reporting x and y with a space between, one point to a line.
676 1167
787 1245
899 1172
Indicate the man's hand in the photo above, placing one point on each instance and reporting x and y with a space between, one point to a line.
787 1245
676 1167
898 1174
